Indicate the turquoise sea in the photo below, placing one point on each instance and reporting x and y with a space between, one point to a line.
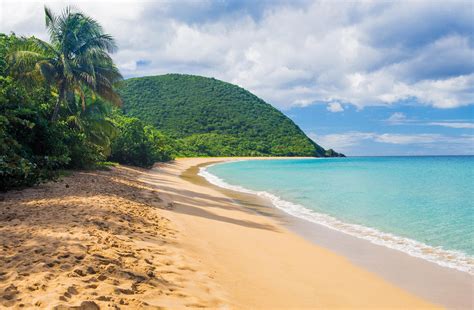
423 206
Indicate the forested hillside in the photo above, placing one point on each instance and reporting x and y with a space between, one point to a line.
209 117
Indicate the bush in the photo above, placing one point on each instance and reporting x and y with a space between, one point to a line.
138 144
32 148
28 153
83 154
19 168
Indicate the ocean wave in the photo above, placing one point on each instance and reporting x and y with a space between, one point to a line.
446 258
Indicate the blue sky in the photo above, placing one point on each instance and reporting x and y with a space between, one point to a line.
402 129
362 77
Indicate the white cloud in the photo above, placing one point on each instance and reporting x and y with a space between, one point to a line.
397 118
341 141
335 107
453 124
407 139
349 141
291 53
384 88
444 93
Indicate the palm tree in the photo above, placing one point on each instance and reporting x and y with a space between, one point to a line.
94 122
77 58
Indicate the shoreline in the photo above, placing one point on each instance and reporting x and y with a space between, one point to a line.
457 260
449 287
166 238
256 259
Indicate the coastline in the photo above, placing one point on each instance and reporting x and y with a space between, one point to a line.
446 258
167 238
438 284
258 261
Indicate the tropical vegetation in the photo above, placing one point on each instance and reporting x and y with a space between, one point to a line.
208 117
139 144
58 104
64 104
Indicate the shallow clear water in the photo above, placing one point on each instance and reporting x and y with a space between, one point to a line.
421 205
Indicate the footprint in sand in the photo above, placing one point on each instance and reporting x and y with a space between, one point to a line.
92 286
148 261
10 292
79 272
72 290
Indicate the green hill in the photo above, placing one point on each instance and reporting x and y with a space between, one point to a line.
208 117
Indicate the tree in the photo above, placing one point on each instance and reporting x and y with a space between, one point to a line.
138 144
95 122
76 59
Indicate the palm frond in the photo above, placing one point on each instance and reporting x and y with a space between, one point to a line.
47 70
26 54
100 42
45 48
51 21
87 79
49 16
76 62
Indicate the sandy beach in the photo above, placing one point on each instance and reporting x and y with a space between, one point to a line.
164 237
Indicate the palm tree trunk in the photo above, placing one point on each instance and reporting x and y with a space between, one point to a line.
56 110
54 117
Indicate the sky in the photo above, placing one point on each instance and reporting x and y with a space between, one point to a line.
362 77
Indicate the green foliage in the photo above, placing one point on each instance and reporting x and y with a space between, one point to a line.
50 116
332 153
55 110
213 118
32 147
83 154
75 60
4 45
94 122
138 144
28 152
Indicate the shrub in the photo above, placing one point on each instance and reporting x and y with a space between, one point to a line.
138 144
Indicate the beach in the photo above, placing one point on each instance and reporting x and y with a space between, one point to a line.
167 238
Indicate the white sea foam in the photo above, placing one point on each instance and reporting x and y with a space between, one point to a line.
447 258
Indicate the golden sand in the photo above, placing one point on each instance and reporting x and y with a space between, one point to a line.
137 238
